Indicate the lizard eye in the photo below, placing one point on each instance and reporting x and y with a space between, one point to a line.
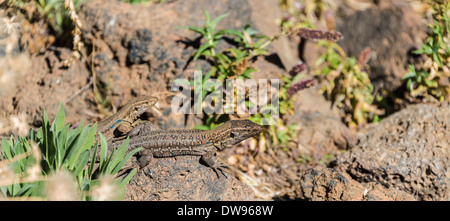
232 135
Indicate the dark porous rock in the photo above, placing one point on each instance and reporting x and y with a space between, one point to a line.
328 184
409 150
391 30
138 47
184 178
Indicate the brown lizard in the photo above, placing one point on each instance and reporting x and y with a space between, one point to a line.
204 143
124 120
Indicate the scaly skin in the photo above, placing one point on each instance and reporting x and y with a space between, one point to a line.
170 143
124 120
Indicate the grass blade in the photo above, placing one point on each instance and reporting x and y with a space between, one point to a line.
103 150
6 148
120 153
125 160
81 162
127 179
58 123
93 159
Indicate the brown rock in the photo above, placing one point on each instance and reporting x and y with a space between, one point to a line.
409 150
144 51
322 131
327 184
391 30
184 178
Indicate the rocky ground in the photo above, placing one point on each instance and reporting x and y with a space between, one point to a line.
140 49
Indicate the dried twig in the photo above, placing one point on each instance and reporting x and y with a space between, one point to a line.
77 43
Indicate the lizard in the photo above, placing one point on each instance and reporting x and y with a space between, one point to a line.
204 143
124 120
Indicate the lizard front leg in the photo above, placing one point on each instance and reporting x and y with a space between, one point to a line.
210 160
134 128
123 128
145 157
139 127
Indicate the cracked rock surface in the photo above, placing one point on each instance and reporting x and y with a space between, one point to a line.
409 151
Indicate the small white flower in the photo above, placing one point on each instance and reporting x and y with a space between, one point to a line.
107 190
62 187
19 123
10 25
34 172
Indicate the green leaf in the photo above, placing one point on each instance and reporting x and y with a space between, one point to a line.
61 145
81 162
199 30
233 32
247 72
419 51
201 127
72 139
237 53
45 131
103 150
437 59
210 120
73 134
127 178
223 59
200 51
207 76
6 149
125 159
410 85
224 73
84 142
431 83
217 20
409 75
427 49
26 190
58 123
93 159
207 19
260 42
217 36
118 155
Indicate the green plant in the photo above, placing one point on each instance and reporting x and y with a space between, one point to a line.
233 63
305 14
420 83
61 150
280 133
53 11
228 64
427 80
346 84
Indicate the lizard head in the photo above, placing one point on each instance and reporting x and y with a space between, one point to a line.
234 131
139 105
